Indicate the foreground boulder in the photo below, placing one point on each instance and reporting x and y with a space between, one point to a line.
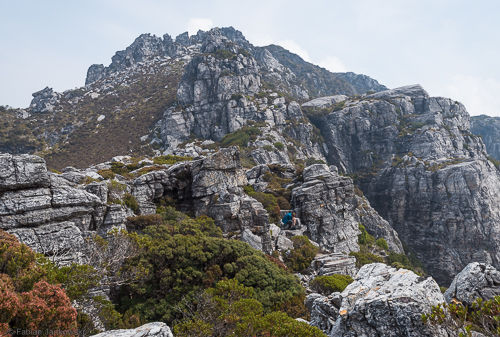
156 329
477 280
382 301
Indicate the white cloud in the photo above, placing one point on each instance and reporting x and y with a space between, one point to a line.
479 95
294 47
332 63
195 24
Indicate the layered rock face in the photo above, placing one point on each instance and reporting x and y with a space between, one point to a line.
489 129
422 170
476 280
327 204
382 301
211 186
44 210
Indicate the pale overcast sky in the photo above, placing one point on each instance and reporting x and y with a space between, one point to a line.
451 47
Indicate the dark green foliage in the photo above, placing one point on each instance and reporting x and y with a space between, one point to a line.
312 161
231 309
224 54
131 202
332 283
183 256
241 137
382 244
482 316
279 146
365 238
302 254
267 200
364 257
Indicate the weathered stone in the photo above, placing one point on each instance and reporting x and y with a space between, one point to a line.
476 280
383 301
424 172
334 263
24 171
328 207
156 329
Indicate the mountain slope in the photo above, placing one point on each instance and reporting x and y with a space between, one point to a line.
149 83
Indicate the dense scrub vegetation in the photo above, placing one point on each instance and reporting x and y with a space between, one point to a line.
482 316
181 257
372 251
302 254
231 309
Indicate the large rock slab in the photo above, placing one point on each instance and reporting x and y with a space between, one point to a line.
156 329
383 301
23 171
476 280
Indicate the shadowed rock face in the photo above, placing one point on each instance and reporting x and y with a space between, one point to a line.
327 205
489 129
422 170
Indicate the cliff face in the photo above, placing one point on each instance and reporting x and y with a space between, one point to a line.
423 170
489 129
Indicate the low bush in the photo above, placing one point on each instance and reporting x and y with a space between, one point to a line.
231 309
364 257
131 202
241 137
482 316
382 244
326 285
302 254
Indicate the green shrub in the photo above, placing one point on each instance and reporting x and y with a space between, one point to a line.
224 54
230 309
131 202
312 161
140 222
183 256
106 174
365 257
279 146
382 244
365 238
302 254
241 137
404 261
267 200
332 283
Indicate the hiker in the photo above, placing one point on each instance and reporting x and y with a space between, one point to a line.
289 220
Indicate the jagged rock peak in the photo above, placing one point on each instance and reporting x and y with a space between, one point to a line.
414 90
